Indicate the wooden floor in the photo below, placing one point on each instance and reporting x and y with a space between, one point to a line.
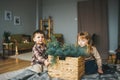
11 64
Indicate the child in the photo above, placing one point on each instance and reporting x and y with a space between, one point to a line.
39 57
90 65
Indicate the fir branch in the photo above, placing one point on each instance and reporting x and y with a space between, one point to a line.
55 49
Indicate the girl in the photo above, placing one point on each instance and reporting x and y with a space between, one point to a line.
93 61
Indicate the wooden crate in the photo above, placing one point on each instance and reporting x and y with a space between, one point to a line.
69 69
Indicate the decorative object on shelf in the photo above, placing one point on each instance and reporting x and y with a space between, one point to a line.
6 36
55 48
46 25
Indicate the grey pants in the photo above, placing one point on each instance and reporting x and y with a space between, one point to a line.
38 68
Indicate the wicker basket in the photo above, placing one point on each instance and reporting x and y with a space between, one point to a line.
69 69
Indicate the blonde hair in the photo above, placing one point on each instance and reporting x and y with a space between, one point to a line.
87 36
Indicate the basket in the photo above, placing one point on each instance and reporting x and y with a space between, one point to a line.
63 69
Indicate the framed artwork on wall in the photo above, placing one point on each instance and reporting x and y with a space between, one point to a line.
8 15
16 20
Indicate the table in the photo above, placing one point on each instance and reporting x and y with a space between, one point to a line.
6 46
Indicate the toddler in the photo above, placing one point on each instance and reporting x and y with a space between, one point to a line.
93 62
39 58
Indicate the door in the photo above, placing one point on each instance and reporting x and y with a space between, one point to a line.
92 17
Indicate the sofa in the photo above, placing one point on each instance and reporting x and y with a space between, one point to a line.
22 41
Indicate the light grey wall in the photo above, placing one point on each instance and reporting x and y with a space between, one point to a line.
113 24
64 13
26 9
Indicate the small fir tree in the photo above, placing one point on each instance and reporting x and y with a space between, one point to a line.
55 48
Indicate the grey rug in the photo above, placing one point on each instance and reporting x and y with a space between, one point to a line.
27 56
107 76
115 76
24 56
8 75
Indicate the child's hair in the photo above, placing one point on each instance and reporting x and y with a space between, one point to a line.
86 35
38 31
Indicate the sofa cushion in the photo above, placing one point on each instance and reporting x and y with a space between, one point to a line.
17 37
25 46
26 38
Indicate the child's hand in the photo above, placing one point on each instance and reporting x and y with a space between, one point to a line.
46 63
100 71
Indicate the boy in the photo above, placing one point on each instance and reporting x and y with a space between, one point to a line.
39 58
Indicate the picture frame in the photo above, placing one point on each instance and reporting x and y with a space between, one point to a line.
8 15
16 20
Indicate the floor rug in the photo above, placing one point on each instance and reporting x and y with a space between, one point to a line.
24 56
28 56
105 76
9 75
115 76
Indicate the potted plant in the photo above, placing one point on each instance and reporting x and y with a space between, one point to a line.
6 36
55 49
65 58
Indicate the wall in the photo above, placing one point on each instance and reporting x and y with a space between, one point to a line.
26 9
64 13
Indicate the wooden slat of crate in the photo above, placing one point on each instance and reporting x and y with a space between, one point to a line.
63 68
70 76
55 73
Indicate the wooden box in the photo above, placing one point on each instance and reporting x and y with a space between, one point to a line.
71 68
